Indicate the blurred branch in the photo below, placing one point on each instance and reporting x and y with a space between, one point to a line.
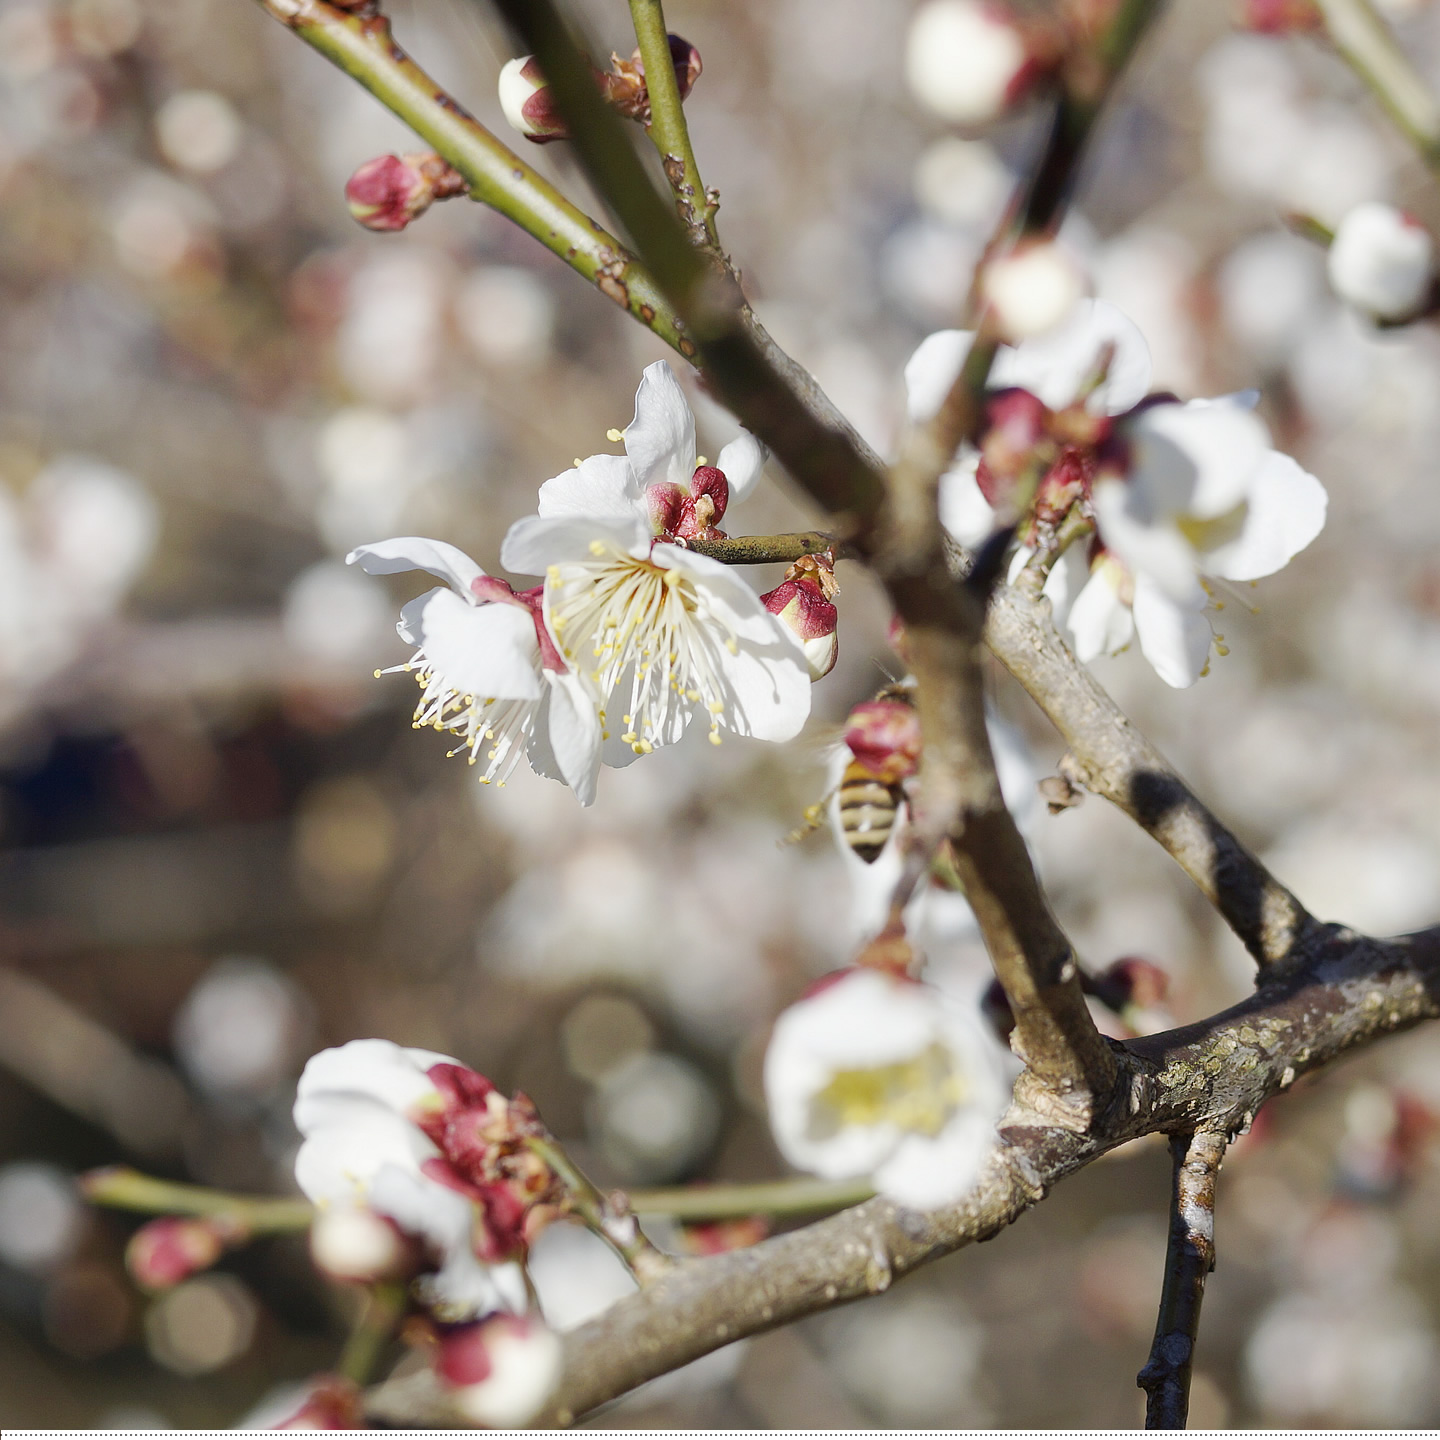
668 128
1189 1259
363 48
381 1312
1367 44
122 1188
1118 762
1211 1078
88 1069
801 1196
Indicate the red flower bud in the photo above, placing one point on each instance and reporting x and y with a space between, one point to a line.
703 509
501 1371
884 736
1066 481
390 191
1278 17
800 605
686 60
164 1252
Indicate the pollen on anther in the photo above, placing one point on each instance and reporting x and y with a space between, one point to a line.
379 673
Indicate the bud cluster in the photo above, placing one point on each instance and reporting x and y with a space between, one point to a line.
529 103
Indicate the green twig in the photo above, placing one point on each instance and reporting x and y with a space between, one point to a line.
766 549
618 1228
363 48
1367 45
121 1188
765 1197
668 128
380 1315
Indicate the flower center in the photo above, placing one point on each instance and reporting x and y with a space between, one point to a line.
918 1096
616 617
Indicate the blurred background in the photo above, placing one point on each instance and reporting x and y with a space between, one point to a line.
222 846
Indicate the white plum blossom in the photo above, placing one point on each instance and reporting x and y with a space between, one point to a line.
965 60
1382 261
658 633
1055 367
1181 492
1203 495
875 1075
488 669
358 1110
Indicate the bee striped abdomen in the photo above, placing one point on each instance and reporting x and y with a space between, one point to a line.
868 808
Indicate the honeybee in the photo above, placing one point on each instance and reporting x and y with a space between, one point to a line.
882 737
869 808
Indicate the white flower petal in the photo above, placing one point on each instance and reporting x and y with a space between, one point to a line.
482 650
566 742
533 544
1174 638
1195 459
925 1172
1099 619
348 1141
1056 365
411 552
964 510
660 440
390 1074
743 461
1286 511
411 625
602 487
727 593
932 370
1145 545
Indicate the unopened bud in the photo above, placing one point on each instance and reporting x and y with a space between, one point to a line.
1015 426
704 507
1280 17
1032 289
884 736
501 1371
164 1252
390 191
359 1245
529 103
1382 262
967 60
801 604
625 88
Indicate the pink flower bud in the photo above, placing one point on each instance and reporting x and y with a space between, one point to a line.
1016 424
1279 17
501 1371
1382 262
390 191
665 505
332 1404
800 605
360 1245
884 736
704 508
1032 289
1066 481
528 103
686 60
164 1252
968 60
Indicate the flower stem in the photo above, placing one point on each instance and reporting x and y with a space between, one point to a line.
616 1227
766 1197
380 1316
668 128
363 48
121 1188
766 549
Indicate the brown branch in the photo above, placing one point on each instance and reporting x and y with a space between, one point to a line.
1340 992
1118 762
1189 1259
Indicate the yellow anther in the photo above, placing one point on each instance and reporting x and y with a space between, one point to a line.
715 737
614 436
700 460
379 673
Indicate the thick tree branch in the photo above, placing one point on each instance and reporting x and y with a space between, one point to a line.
1340 991
1365 41
1118 762
1189 1259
